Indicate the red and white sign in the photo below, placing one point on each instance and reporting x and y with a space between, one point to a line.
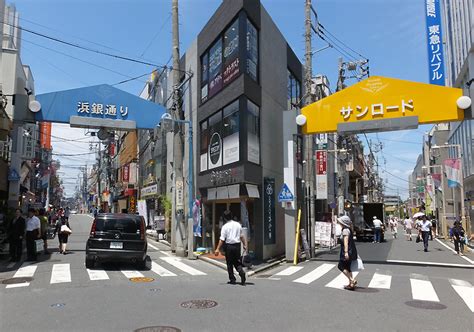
321 174
321 162
126 173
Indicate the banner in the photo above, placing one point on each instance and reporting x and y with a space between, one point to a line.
269 211
321 174
436 179
197 218
435 41
453 172
45 135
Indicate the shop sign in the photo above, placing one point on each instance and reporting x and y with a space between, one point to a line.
29 142
435 41
86 108
215 66
227 176
149 191
215 151
126 173
133 204
179 194
231 71
269 211
321 174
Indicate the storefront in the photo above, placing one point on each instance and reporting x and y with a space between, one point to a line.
149 194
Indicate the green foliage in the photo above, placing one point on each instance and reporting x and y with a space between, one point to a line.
166 205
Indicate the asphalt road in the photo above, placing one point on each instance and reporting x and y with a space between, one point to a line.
305 298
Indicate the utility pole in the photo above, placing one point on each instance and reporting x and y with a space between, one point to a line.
310 170
177 220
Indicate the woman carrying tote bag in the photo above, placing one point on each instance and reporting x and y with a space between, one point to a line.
63 230
348 252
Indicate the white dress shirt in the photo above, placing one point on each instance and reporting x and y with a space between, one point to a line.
230 232
425 226
32 224
377 223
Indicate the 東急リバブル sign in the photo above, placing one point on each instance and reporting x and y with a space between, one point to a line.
435 41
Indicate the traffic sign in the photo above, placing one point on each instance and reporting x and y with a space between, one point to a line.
285 194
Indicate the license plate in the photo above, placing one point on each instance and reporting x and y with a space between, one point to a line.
116 245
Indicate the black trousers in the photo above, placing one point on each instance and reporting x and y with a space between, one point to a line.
31 236
16 246
425 236
232 258
458 244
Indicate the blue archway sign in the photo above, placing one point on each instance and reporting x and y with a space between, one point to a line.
99 106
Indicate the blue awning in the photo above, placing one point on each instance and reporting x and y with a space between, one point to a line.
99 106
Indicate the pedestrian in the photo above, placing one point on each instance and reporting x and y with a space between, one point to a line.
16 233
348 252
425 229
394 227
231 238
377 229
458 236
408 223
33 232
44 230
63 230
67 213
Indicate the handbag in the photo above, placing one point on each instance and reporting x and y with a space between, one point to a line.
64 229
418 239
357 264
38 245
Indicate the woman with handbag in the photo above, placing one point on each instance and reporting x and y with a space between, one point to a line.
348 251
63 230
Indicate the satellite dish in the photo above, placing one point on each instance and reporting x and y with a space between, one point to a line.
35 106
102 134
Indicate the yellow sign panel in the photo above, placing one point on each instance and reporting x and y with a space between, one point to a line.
380 98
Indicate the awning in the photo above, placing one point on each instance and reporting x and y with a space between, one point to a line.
252 191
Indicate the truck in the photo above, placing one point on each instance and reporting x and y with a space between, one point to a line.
362 217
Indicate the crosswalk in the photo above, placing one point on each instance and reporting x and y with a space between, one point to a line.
421 287
64 273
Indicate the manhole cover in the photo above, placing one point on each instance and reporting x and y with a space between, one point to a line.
263 276
366 290
199 304
426 305
158 329
58 305
155 290
141 279
16 280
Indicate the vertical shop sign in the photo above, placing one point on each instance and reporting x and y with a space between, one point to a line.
126 173
45 135
321 174
252 50
435 42
269 211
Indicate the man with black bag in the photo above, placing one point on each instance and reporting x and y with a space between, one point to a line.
231 237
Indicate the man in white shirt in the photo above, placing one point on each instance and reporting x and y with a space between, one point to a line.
231 235
425 227
33 233
377 229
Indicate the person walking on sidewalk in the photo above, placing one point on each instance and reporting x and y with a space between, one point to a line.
458 236
377 229
408 223
33 232
44 229
348 252
232 237
16 232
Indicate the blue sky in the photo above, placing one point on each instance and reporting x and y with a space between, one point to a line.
388 32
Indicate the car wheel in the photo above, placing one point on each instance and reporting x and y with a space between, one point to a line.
90 263
145 264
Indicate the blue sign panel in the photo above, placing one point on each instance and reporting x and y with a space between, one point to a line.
13 175
285 194
435 42
100 102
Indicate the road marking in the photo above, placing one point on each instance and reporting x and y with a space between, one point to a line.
422 289
61 273
161 271
97 274
166 253
340 281
315 274
464 257
289 271
382 281
152 246
25 271
428 263
132 274
183 267
465 291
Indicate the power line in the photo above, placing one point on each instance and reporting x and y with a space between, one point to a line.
156 35
329 33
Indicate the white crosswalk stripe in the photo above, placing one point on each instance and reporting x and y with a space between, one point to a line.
315 274
340 281
97 274
381 281
181 266
25 271
161 271
132 274
422 289
61 273
289 271
465 290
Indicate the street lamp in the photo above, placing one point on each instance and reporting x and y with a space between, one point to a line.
167 121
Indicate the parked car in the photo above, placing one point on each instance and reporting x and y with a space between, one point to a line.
73 211
117 237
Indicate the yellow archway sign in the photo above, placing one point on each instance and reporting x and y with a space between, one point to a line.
382 104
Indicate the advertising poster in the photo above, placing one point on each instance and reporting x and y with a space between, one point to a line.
231 52
215 151
231 149
215 68
252 50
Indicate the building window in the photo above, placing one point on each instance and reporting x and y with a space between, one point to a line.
230 133
215 68
293 91
204 145
253 133
252 50
204 76
231 53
